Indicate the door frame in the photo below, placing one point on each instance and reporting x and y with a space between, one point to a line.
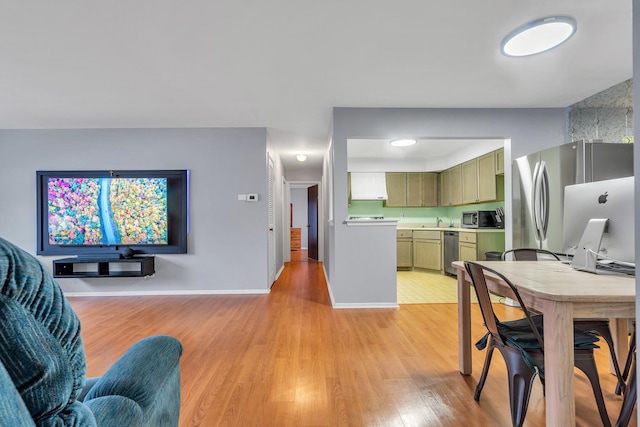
271 226
286 231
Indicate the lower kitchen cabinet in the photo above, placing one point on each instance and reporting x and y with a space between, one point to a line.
424 248
474 245
404 249
467 252
427 249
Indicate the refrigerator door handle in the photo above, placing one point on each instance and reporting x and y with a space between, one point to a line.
535 201
544 200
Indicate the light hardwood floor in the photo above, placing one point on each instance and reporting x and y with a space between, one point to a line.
289 359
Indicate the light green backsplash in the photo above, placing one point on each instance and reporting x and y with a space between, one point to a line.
417 215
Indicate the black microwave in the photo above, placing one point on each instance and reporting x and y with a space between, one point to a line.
479 219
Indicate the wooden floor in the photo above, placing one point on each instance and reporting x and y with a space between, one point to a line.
289 359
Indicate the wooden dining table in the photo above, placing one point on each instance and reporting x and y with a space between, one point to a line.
561 294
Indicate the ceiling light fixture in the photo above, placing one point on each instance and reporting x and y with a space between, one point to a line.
539 36
301 157
402 142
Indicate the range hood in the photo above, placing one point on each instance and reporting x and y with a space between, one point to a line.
368 186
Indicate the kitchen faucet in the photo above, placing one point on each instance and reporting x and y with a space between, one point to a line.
438 221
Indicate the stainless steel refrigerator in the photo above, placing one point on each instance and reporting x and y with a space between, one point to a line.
539 180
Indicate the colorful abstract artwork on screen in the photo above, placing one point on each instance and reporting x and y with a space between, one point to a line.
107 211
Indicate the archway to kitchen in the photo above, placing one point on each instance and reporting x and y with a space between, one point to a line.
421 257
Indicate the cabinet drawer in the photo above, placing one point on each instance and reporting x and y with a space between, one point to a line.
404 233
467 237
426 234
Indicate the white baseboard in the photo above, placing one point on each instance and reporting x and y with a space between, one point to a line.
168 293
277 275
365 305
326 279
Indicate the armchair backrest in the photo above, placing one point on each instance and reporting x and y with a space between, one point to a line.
40 343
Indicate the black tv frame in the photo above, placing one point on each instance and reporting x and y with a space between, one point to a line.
177 209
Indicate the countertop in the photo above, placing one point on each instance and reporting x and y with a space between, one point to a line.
459 229
379 221
368 221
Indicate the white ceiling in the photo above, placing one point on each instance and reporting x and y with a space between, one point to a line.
283 64
427 155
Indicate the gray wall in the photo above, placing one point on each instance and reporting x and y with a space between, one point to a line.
228 240
529 130
303 175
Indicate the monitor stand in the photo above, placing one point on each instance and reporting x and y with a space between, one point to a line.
586 255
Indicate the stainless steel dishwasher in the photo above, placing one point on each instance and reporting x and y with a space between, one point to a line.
450 251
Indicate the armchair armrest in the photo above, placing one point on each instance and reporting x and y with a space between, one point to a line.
14 411
148 374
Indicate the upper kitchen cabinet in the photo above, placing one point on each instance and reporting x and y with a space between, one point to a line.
412 189
479 179
430 189
422 189
470 181
451 186
499 161
396 189
487 178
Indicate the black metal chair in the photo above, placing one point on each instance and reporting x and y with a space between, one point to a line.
521 344
631 393
599 327
628 363
530 254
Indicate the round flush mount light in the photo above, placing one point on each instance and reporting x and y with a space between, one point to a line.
402 142
538 36
301 157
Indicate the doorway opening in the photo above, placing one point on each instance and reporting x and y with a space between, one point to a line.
304 225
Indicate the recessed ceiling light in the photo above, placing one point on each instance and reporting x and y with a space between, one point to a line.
402 142
301 157
538 36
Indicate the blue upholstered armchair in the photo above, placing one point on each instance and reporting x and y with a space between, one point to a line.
42 361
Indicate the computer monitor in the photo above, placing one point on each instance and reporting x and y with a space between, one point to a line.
611 200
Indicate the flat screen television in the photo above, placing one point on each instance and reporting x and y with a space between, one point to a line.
112 214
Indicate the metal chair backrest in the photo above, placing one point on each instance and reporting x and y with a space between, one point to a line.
477 273
530 254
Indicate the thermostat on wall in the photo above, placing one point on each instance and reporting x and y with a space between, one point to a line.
252 197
